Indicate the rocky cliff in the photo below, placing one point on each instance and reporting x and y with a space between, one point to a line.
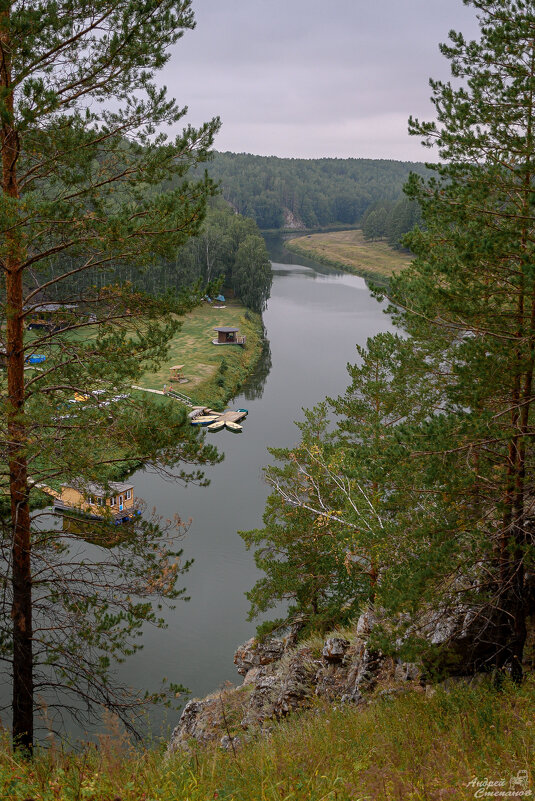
280 676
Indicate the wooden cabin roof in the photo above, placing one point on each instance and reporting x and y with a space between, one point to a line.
99 490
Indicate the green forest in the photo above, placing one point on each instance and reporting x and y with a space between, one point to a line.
230 250
309 193
227 252
391 221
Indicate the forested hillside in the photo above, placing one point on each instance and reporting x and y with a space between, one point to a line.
228 250
308 193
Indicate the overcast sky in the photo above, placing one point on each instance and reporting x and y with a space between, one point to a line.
311 78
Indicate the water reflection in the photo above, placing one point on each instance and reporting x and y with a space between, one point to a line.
254 386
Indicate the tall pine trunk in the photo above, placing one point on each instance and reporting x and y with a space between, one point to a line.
512 601
518 605
21 612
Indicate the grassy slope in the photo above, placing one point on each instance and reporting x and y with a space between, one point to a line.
193 348
349 250
410 747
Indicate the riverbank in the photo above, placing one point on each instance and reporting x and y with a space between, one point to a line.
211 374
348 250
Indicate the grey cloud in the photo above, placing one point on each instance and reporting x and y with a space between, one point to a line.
309 78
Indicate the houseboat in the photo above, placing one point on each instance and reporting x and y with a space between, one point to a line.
115 502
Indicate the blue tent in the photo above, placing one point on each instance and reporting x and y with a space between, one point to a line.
36 359
220 298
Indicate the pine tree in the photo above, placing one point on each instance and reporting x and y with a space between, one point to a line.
305 549
331 524
83 164
436 429
472 289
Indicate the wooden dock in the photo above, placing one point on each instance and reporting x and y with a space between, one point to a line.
203 415
232 417
199 411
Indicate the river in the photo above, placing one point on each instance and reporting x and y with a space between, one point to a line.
314 318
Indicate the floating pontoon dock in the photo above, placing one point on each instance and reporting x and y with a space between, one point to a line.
204 416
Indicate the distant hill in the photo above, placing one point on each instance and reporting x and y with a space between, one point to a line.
308 193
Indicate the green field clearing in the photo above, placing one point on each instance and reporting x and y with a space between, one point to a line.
348 250
214 373
192 346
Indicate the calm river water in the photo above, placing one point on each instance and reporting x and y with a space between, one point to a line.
314 318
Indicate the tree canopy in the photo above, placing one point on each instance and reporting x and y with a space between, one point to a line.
308 193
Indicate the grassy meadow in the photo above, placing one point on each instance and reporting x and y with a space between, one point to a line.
410 747
349 251
192 346
214 373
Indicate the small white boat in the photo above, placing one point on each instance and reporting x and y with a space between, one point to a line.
235 427
204 420
217 426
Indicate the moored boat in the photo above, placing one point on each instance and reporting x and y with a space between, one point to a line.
235 427
216 426
204 420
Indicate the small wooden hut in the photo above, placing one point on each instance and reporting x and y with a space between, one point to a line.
228 335
50 316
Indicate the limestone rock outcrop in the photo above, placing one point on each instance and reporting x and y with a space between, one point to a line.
279 678
253 654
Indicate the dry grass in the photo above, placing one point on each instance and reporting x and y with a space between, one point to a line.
405 748
349 250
